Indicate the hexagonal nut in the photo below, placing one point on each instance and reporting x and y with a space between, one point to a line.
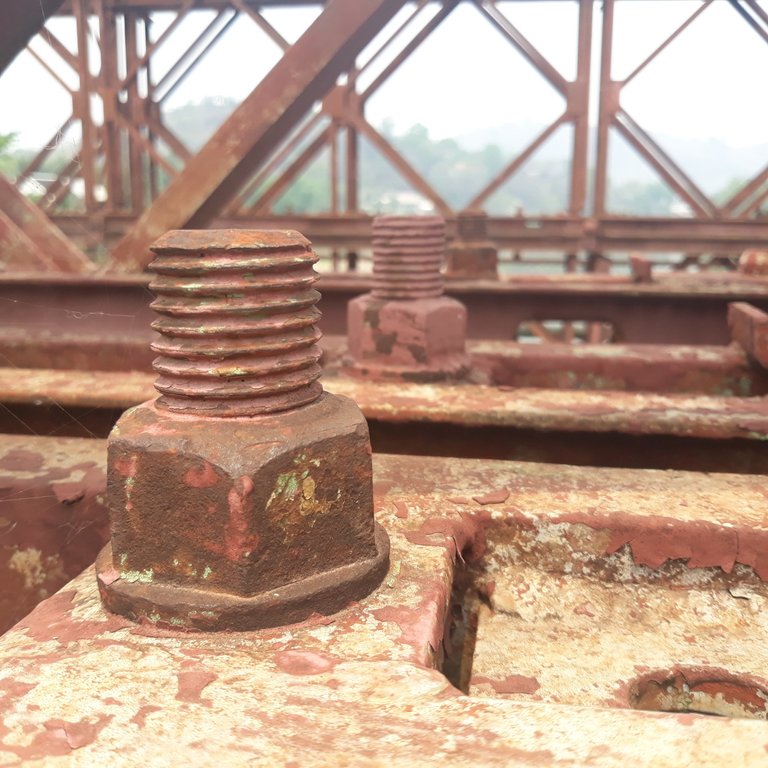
477 260
241 505
421 339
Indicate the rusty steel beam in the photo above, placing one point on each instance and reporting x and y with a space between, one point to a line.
41 231
515 164
290 174
21 21
237 206
578 109
708 431
306 72
651 56
137 125
675 309
17 252
657 158
569 234
608 101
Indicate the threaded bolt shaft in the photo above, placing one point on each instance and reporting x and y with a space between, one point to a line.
472 225
237 322
408 253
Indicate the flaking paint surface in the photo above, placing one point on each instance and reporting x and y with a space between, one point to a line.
79 687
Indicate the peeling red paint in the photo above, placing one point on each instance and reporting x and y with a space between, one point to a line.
140 718
237 542
585 609
703 544
421 628
466 533
202 477
510 684
51 620
79 734
304 662
21 460
192 681
498 496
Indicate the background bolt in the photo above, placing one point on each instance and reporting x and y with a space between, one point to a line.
405 328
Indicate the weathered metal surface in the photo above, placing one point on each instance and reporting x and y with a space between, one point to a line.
657 368
674 309
604 428
53 517
564 638
307 71
405 328
642 413
361 687
242 497
749 328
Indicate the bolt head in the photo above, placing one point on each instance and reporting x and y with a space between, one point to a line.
242 505
422 339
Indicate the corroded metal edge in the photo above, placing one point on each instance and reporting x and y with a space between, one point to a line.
205 610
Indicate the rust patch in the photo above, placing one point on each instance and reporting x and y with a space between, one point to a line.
401 510
192 681
81 733
304 662
19 459
140 718
510 684
493 497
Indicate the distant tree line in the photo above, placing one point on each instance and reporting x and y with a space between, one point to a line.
540 187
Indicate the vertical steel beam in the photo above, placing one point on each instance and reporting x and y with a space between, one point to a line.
608 103
352 164
305 74
107 89
133 112
82 100
578 107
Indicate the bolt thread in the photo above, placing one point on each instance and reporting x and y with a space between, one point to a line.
472 225
408 254
237 322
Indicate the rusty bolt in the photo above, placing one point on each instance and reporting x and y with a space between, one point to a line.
241 497
405 328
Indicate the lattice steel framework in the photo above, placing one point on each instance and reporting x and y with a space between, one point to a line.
139 179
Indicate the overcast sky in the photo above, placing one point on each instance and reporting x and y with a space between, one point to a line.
710 82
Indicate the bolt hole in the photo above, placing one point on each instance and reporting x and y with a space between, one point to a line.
700 692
